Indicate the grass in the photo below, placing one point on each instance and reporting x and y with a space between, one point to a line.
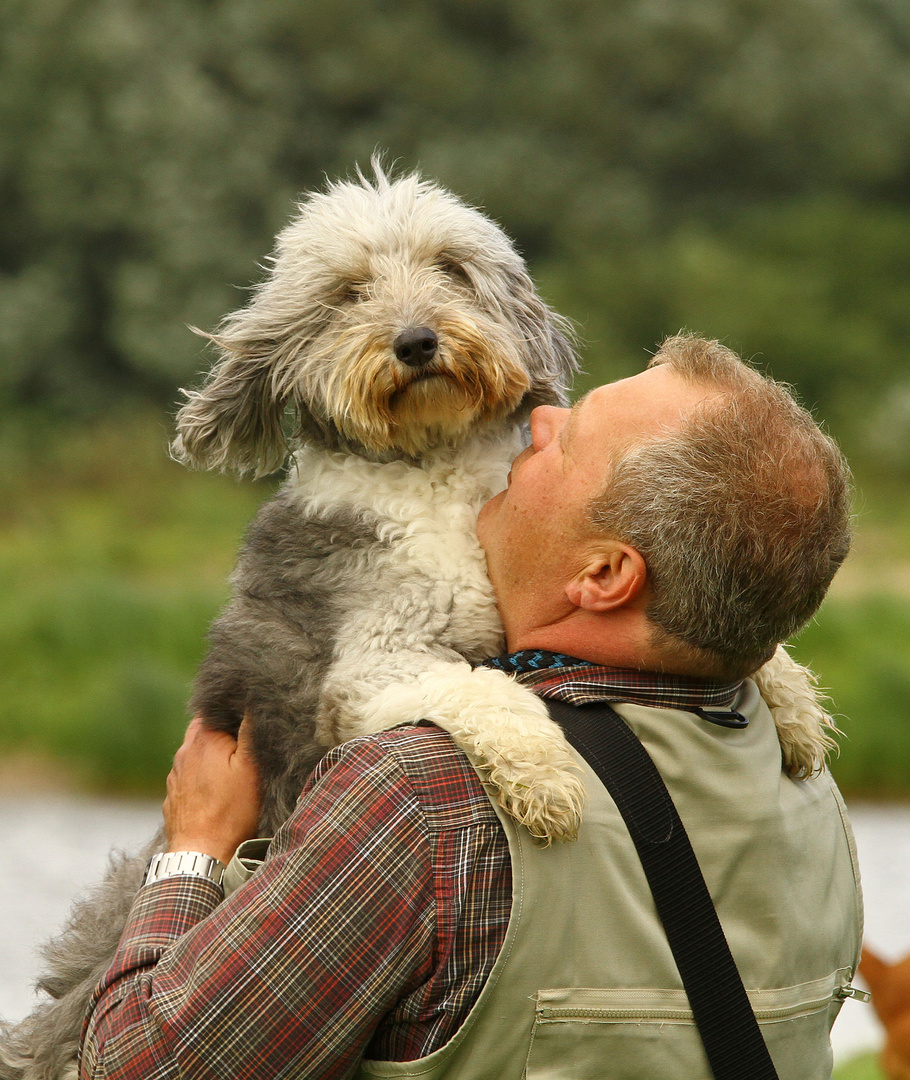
861 647
113 560
859 644
864 1067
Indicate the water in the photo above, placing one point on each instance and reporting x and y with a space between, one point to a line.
54 847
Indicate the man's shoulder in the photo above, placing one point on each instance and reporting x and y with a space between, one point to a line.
438 775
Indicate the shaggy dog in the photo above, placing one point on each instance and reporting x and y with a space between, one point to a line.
399 331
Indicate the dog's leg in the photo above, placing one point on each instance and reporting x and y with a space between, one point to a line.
804 728
505 730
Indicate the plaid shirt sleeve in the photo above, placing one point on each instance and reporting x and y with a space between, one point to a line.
294 973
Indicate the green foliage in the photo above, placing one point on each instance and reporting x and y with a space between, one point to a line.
859 644
818 291
101 666
861 649
738 167
149 152
113 560
864 1067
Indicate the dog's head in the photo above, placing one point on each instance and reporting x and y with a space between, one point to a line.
394 319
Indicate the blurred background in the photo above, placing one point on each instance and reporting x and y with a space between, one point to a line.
740 168
737 167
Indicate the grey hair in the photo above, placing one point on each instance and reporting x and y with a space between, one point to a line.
742 515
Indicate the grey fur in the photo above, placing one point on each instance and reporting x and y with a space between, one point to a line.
361 262
271 647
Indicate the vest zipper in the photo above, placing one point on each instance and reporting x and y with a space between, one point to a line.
548 1012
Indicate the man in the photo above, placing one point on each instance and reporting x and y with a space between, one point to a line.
653 546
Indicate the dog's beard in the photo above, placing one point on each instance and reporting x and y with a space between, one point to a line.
476 377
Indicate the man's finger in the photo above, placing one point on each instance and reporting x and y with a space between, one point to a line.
191 736
195 726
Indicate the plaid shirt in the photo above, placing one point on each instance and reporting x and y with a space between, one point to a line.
578 682
369 931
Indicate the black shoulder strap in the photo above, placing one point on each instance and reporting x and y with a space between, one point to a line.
723 1014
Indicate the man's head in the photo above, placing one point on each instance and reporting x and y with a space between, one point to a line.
690 517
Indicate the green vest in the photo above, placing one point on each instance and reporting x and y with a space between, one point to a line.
586 988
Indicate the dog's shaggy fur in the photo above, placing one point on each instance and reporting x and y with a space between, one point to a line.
399 329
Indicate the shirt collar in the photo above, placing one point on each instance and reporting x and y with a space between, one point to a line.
578 682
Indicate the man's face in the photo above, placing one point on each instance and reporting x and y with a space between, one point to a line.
536 533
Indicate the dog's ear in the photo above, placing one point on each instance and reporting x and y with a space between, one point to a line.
234 421
550 343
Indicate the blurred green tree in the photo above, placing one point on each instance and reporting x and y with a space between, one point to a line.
149 153
739 167
817 290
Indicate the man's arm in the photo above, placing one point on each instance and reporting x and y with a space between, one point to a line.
297 968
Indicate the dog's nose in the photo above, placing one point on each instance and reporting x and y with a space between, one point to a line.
416 346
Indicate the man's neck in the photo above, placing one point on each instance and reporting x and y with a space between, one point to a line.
620 641
625 640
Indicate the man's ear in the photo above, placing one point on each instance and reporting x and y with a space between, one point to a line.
613 579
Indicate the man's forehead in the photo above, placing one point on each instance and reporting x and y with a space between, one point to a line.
656 397
607 390
571 424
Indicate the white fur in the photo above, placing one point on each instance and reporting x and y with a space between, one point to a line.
429 597
507 732
804 728
410 445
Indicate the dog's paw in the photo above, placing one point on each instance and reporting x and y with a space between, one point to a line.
804 727
509 736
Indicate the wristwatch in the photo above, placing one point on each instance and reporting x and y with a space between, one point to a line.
188 863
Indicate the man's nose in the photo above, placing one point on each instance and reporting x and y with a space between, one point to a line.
548 419
550 412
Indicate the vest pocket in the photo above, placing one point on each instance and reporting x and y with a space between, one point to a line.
579 1033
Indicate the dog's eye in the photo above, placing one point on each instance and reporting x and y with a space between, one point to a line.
454 269
353 291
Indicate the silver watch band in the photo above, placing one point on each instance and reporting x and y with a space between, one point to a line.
189 863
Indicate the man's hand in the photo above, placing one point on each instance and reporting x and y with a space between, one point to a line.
212 802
